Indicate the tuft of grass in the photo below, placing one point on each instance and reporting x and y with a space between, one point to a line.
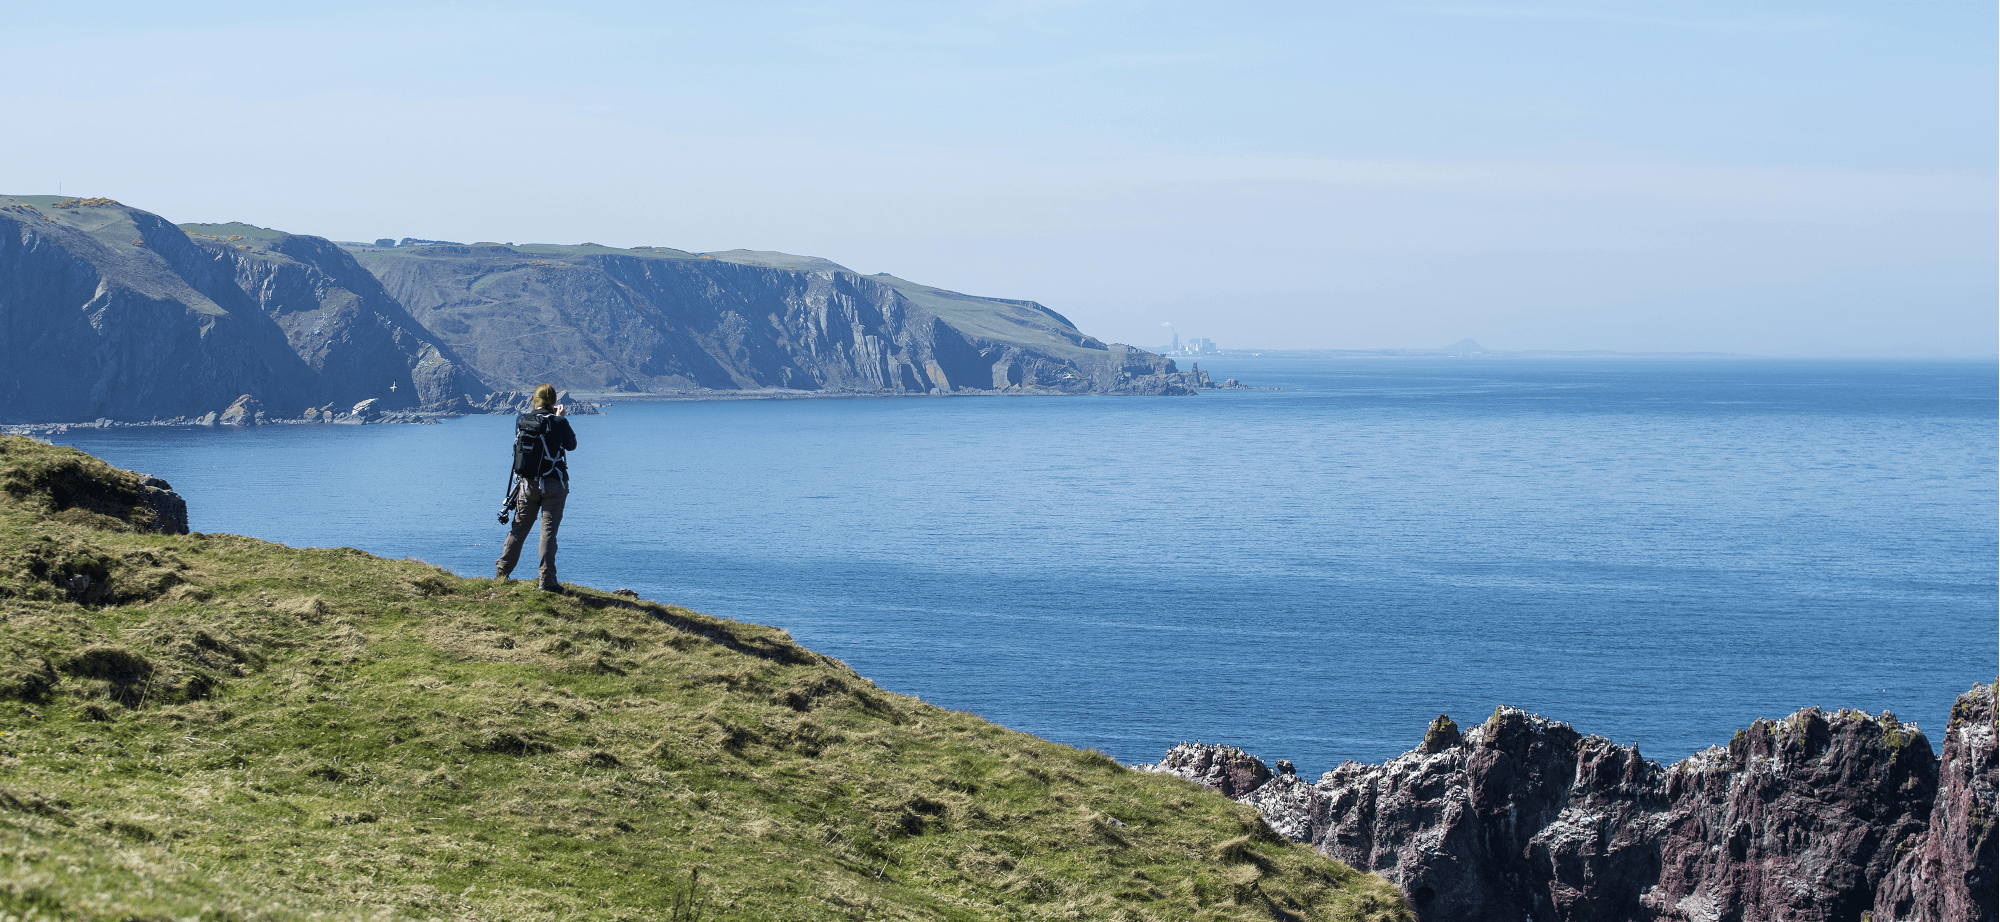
281 733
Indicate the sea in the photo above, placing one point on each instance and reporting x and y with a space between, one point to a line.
1654 550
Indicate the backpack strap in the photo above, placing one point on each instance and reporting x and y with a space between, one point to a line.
552 454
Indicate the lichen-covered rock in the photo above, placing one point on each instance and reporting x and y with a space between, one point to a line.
1947 873
1222 768
1814 817
1451 827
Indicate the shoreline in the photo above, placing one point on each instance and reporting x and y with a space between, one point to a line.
587 404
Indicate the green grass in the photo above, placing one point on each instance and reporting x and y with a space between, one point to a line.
242 232
233 729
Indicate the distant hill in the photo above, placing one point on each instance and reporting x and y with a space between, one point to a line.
108 311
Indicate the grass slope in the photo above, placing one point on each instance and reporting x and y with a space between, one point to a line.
216 727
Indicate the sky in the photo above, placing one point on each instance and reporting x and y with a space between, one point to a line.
1767 178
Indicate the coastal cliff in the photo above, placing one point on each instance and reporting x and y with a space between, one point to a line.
108 312
111 312
659 320
1818 816
336 317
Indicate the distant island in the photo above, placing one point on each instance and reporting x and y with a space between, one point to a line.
108 312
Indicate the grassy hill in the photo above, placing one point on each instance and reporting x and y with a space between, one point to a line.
217 727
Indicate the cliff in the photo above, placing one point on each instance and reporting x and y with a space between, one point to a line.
658 320
358 341
107 311
1819 816
208 726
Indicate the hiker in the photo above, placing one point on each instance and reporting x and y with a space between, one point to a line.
544 483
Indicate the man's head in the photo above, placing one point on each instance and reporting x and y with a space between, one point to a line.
545 397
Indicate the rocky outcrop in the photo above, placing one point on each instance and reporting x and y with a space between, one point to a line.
62 481
246 411
169 509
1815 817
1947 873
360 343
1227 769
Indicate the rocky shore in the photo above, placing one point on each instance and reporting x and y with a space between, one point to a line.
249 411
1819 816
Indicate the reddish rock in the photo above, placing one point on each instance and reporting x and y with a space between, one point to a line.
1947 873
1815 817
1222 768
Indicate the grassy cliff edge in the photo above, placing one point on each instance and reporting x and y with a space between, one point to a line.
217 727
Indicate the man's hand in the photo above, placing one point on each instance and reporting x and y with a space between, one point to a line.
562 410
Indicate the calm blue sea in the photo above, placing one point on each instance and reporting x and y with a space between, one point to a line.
1657 551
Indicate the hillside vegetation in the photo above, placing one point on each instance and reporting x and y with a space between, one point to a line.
217 727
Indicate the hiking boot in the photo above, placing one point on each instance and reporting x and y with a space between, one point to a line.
501 575
552 587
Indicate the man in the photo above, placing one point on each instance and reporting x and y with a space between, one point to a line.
545 490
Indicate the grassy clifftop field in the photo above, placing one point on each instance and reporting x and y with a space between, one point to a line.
215 727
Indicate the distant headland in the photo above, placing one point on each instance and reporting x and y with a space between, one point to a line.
116 315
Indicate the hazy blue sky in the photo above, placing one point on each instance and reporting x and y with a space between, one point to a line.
1757 177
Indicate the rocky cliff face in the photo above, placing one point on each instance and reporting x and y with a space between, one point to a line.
1815 817
111 312
666 321
1949 871
359 342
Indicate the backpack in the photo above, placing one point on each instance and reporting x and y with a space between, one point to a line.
534 457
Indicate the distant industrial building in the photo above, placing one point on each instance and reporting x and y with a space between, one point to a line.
1196 346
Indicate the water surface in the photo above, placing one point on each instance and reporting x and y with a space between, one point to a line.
1655 551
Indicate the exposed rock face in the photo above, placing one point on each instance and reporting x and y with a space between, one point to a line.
336 317
1948 872
666 321
110 312
170 511
246 411
1814 817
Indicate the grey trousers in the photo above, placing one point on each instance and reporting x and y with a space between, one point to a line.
545 497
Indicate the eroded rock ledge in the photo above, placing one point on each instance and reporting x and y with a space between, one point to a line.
1819 816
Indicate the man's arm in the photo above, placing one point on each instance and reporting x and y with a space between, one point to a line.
565 434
